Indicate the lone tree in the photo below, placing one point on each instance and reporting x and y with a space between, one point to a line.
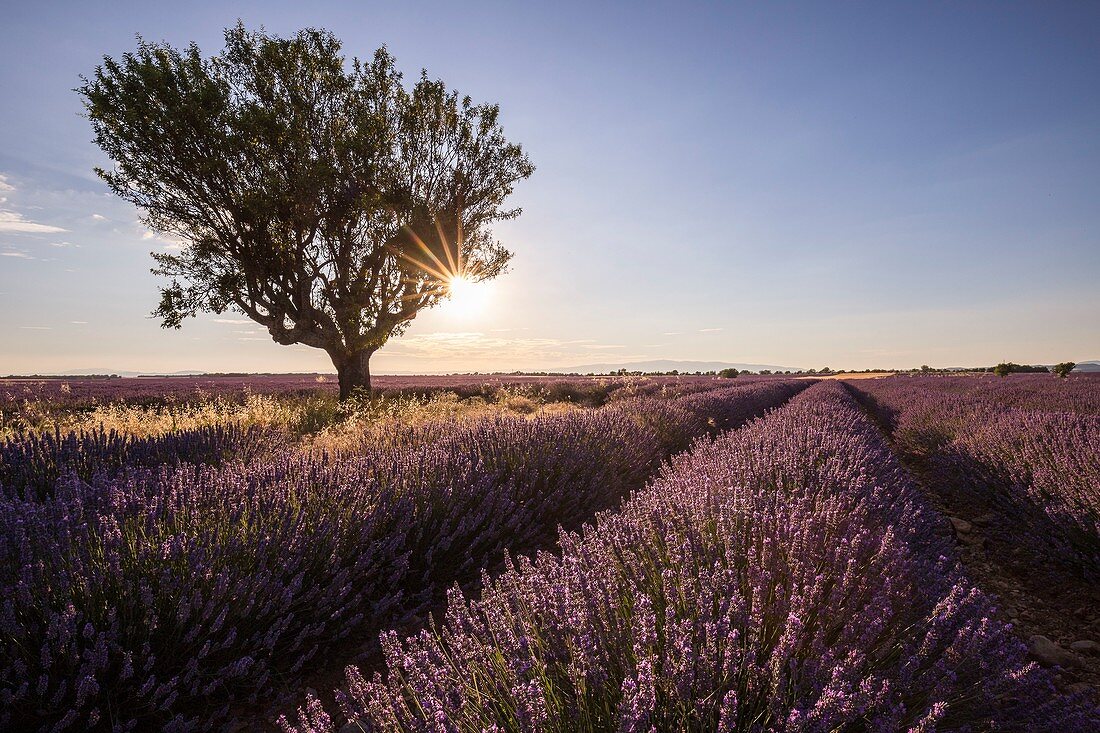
324 200
1063 369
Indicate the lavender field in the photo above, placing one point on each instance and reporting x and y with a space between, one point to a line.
550 367
628 554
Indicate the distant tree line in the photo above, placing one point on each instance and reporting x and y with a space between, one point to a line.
1062 369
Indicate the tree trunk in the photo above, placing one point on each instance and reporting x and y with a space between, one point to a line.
353 371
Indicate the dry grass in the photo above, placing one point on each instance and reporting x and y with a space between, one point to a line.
149 420
361 428
318 420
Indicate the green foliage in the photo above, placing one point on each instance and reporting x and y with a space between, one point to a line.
1062 369
1005 368
322 199
728 373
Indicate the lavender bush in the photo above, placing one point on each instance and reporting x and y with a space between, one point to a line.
31 464
1043 469
923 413
166 596
1038 465
785 577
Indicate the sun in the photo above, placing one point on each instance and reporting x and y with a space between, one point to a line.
466 298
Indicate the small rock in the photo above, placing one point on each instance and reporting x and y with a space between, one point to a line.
985 520
961 525
1049 654
1085 646
976 541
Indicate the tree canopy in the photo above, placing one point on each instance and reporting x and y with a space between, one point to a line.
1008 367
1062 369
319 197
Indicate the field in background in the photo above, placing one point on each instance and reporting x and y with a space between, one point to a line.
864 375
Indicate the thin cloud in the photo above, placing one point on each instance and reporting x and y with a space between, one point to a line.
11 221
168 241
20 255
473 346
671 333
98 217
234 321
4 185
36 328
709 330
79 323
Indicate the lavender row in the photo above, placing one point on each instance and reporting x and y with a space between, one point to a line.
786 577
170 596
925 412
1040 468
31 464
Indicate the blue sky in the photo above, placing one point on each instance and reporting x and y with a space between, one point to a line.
841 184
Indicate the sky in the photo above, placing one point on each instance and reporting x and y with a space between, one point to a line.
852 185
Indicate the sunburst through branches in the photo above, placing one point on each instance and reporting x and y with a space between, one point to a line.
441 263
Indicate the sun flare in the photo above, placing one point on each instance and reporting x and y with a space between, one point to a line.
467 298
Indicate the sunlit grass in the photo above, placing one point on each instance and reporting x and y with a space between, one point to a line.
319 419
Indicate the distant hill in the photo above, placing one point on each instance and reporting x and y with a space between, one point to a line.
120 373
667 365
